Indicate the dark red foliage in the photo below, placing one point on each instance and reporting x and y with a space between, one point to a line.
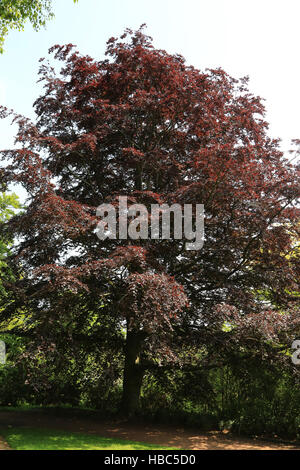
143 124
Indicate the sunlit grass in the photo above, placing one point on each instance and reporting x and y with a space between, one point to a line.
45 439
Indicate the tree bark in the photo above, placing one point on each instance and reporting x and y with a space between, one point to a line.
133 374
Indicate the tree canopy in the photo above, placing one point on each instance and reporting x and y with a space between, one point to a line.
15 13
8 205
143 124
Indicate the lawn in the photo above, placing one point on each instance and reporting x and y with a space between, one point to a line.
43 439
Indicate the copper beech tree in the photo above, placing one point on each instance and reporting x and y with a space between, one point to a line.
143 124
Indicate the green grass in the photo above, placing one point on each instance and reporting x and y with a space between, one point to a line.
45 439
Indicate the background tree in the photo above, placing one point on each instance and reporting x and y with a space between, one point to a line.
9 204
15 13
143 124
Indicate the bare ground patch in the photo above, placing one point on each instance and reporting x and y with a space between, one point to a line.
163 435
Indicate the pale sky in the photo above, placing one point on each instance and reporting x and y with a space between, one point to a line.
259 38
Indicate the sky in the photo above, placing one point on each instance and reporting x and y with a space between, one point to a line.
258 38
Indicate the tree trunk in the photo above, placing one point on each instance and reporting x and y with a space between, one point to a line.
133 374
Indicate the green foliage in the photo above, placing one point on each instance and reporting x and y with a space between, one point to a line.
257 398
248 397
15 13
13 388
9 203
76 378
